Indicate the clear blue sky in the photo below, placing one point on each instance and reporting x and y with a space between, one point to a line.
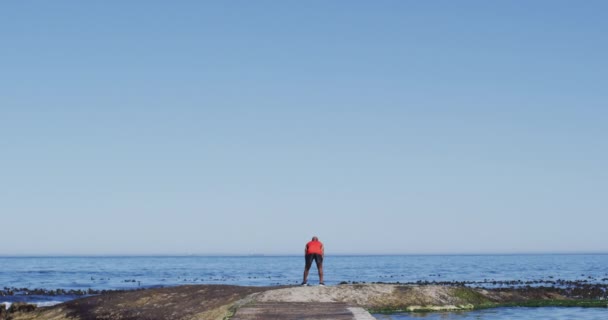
238 127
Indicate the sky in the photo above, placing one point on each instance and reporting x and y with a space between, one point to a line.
247 127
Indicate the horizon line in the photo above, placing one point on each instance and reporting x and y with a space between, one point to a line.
101 255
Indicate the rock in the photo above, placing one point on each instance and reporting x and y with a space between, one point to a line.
217 302
21 307
3 311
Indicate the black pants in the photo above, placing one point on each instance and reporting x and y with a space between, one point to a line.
313 256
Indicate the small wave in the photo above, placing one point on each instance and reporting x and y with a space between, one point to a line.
37 303
47 303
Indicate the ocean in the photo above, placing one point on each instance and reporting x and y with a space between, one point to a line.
21 277
507 314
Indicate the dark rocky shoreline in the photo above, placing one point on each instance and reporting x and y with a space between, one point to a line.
7 292
578 289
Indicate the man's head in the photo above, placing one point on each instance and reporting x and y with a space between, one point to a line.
315 238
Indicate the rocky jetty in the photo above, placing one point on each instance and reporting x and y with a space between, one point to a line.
221 302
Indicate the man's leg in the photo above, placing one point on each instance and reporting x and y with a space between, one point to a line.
308 263
319 261
320 267
305 275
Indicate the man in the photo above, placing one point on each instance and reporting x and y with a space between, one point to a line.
314 251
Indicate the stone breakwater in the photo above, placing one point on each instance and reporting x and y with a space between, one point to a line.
221 302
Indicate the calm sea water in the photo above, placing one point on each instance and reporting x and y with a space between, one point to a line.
140 272
507 314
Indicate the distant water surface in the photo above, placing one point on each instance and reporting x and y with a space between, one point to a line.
134 272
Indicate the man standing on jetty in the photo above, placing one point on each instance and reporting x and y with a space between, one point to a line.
314 251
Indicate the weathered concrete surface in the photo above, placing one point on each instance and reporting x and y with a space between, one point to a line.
301 311
219 302
389 296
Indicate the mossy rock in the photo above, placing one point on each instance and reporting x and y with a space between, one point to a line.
470 296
